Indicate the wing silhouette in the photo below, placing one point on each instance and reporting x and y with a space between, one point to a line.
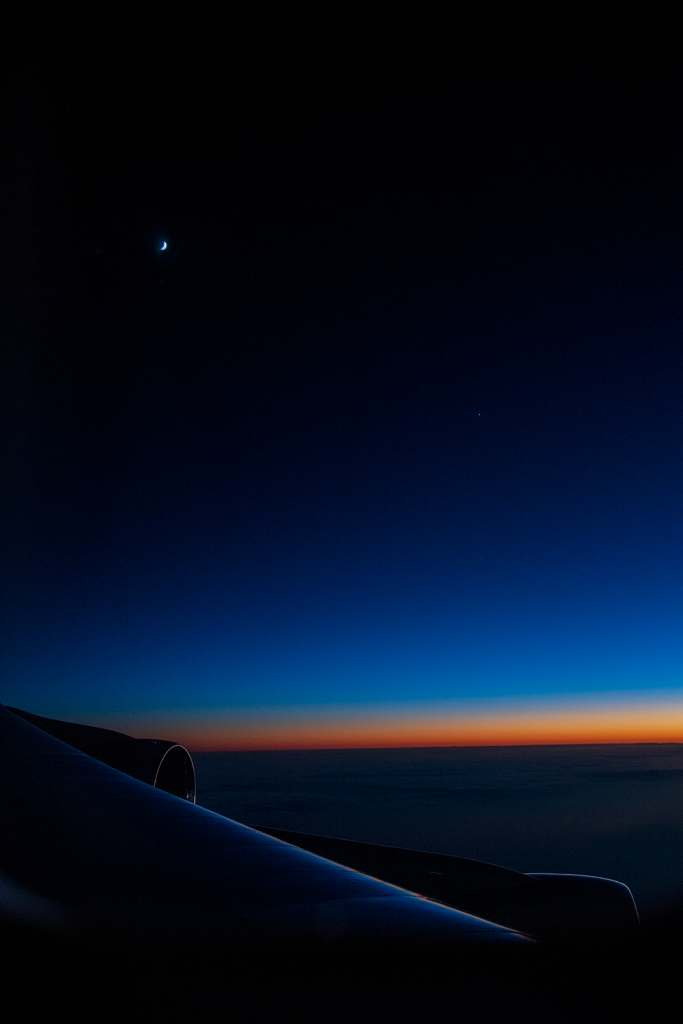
119 895
104 838
88 849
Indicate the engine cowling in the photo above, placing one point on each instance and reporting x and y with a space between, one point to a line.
159 763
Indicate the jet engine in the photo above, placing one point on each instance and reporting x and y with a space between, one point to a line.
159 763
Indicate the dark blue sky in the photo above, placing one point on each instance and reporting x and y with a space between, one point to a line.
396 416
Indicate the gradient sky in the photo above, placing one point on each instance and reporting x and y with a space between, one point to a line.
394 421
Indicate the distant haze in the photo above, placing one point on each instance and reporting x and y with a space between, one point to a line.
645 717
614 811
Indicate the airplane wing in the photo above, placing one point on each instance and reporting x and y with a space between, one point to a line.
122 899
87 849
104 838
540 904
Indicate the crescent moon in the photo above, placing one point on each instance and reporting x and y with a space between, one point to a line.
163 246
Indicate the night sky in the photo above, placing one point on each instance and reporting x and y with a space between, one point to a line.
391 430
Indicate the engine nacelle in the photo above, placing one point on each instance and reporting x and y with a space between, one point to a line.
159 763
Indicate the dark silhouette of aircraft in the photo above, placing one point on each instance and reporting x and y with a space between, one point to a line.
77 795
105 852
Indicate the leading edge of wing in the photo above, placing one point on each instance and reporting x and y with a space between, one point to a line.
88 850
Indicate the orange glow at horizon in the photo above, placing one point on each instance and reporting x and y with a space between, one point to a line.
546 723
